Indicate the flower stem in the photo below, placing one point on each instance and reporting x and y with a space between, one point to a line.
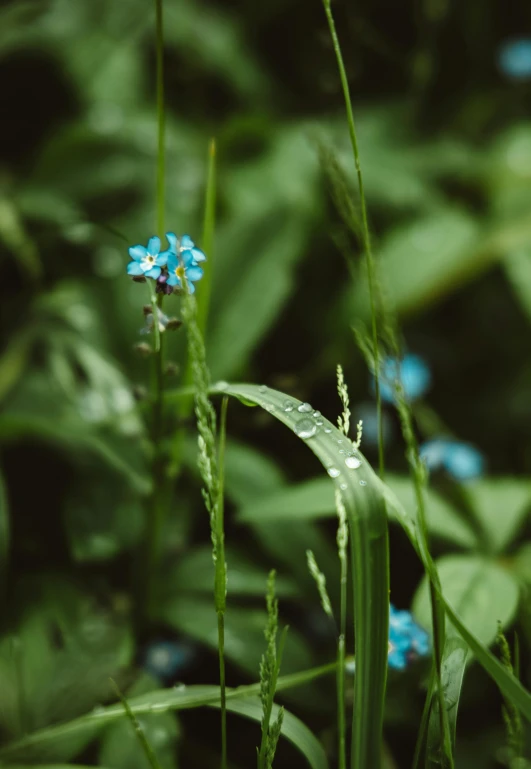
161 118
366 236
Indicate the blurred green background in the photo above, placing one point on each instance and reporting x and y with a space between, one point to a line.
445 142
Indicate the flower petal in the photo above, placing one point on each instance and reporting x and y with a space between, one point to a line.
134 268
162 258
173 261
198 255
153 273
137 252
153 246
173 280
191 287
194 273
187 242
173 241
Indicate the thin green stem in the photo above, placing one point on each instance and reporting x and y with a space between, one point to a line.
220 587
161 118
142 739
437 611
341 719
222 688
365 233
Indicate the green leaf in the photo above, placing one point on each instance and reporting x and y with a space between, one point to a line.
453 667
479 591
426 258
292 728
194 573
84 728
244 631
315 499
366 510
501 505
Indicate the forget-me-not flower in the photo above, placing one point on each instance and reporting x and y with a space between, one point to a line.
514 58
460 460
185 243
412 372
407 640
147 261
181 266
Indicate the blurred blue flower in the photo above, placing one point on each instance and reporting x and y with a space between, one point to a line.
412 371
514 58
460 460
407 640
183 265
147 261
167 659
185 243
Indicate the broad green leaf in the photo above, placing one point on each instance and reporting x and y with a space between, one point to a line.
275 244
479 591
425 259
292 728
244 631
194 573
315 499
501 505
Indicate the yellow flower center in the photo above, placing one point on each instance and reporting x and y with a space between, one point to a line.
150 258
179 271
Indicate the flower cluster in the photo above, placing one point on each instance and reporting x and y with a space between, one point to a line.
170 268
407 640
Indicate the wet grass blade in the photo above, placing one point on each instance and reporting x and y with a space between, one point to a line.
139 732
364 501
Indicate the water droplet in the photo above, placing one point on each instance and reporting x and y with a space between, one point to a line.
342 451
98 710
304 408
267 406
328 430
343 486
339 440
352 462
305 428
288 406
363 483
319 422
221 385
180 687
262 389
328 463
333 472
316 413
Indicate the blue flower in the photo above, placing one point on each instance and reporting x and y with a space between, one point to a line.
460 460
185 243
183 265
167 659
147 261
514 58
412 372
407 640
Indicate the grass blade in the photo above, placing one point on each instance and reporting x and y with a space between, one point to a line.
364 501
144 744
33 746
